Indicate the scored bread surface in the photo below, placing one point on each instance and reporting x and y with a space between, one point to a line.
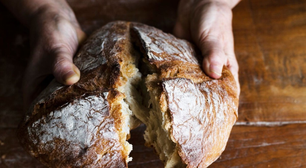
195 112
67 128
131 72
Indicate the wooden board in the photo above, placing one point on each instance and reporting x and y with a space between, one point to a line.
264 147
271 50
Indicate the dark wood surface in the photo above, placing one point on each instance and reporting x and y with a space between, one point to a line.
271 51
270 44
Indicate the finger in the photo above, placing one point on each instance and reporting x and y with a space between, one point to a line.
209 25
214 57
206 32
64 70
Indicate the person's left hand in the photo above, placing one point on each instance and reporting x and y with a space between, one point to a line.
208 23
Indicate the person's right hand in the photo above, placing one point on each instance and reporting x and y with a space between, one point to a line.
55 36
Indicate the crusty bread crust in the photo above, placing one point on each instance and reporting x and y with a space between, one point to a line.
198 111
87 124
65 127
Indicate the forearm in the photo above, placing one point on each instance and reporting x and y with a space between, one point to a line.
26 10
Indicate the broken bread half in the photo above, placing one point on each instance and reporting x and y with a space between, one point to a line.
132 73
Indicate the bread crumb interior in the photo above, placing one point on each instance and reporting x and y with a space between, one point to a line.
142 102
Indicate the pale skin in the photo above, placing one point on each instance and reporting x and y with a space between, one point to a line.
55 35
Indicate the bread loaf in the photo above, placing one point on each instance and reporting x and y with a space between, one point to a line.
133 73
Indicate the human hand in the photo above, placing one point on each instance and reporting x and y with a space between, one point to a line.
55 35
208 23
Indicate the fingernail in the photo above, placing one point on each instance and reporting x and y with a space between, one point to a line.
73 77
215 69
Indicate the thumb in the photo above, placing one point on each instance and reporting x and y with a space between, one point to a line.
210 25
64 70
214 56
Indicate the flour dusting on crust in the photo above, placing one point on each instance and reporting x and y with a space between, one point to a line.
96 50
159 46
199 114
76 122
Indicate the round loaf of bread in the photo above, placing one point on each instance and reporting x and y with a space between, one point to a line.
133 73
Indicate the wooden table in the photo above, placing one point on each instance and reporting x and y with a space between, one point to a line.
270 45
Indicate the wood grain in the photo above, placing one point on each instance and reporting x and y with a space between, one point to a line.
262 147
271 51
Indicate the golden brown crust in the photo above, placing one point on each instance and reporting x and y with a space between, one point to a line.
173 57
59 134
202 116
202 110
